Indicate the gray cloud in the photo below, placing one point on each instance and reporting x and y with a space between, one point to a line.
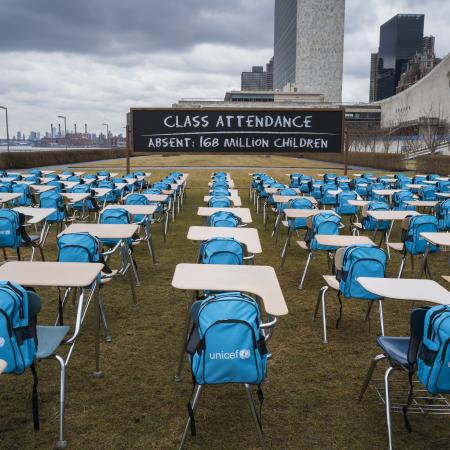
93 59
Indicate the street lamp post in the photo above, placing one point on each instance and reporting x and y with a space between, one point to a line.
107 130
7 125
65 128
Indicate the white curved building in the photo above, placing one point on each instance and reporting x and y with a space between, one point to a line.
429 97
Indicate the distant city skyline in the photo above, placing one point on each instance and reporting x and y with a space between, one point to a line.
61 59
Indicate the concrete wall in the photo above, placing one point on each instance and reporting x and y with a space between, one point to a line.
427 97
320 47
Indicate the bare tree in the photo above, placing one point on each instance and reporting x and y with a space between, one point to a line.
434 128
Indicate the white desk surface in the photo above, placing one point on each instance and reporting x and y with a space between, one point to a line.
343 240
229 182
446 278
101 191
47 172
73 197
122 185
156 197
7 180
359 203
430 182
39 188
247 236
386 192
2 365
64 177
259 280
145 210
79 174
391 215
285 198
103 230
442 179
29 183
36 215
40 273
437 238
272 191
422 203
443 194
304 213
8 196
69 184
407 289
242 213
236 200
88 181
414 186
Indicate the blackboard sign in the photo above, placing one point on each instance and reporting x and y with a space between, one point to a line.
237 130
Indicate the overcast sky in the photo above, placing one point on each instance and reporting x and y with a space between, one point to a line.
93 59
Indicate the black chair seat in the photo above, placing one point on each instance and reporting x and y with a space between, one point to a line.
396 348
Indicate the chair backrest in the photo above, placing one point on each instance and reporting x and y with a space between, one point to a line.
226 342
17 328
53 199
219 202
224 219
359 261
79 247
412 226
25 195
433 359
9 229
222 251
443 214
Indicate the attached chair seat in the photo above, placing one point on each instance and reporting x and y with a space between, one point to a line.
33 238
396 348
397 246
303 245
331 281
49 339
107 277
357 225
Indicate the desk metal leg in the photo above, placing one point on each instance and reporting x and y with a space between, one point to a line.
286 245
97 372
184 337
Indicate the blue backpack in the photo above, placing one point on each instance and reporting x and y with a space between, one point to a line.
296 179
25 195
226 344
221 251
369 223
443 214
434 358
223 219
412 227
114 216
323 223
17 328
399 199
219 202
137 199
79 247
10 229
343 207
304 183
328 199
299 203
359 261
5 187
52 199
329 177
427 193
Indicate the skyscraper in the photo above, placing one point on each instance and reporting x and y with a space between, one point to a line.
255 80
400 39
309 46
373 77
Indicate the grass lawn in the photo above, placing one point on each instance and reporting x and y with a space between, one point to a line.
311 391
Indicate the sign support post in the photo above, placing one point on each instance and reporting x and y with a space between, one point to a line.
128 149
346 147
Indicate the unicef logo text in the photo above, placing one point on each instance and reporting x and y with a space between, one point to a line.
237 354
2 342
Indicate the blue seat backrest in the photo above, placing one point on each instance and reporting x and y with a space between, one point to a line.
226 341
359 261
221 251
414 242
